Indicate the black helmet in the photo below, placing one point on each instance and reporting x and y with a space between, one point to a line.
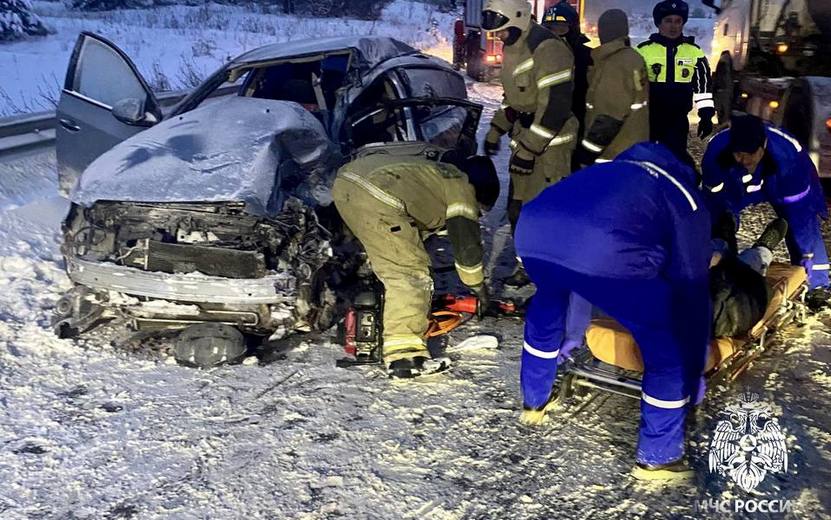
669 8
562 12
481 173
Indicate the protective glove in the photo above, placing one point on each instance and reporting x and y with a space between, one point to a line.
522 162
492 141
808 263
705 125
481 292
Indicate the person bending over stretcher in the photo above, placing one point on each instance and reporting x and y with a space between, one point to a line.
632 237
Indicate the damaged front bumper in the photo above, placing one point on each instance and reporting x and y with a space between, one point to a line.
190 287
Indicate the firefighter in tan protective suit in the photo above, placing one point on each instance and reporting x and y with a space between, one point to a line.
537 78
617 115
390 196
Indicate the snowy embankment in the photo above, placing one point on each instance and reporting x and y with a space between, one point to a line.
176 47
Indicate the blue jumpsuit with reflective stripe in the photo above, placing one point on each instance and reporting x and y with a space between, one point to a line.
632 237
787 179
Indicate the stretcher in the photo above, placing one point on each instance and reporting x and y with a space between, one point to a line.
610 360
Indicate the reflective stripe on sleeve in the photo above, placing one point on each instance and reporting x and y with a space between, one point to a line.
821 267
703 101
667 405
790 139
540 353
599 161
541 131
554 79
590 146
796 198
525 66
562 139
471 276
637 106
654 168
747 178
715 189
460 209
374 190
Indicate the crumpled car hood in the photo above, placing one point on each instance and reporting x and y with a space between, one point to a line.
227 150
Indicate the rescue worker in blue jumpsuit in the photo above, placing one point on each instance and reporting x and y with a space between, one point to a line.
752 162
632 237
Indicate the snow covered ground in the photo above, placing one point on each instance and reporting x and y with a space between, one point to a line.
175 47
108 427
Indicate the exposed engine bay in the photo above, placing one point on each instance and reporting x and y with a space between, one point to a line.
175 264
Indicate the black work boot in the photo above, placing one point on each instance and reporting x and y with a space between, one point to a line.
675 470
773 234
818 298
409 368
519 278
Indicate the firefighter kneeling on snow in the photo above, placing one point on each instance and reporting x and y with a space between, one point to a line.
632 237
388 196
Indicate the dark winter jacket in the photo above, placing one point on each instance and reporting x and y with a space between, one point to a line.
582 62
740 297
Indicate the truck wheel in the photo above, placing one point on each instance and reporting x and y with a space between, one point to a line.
724 89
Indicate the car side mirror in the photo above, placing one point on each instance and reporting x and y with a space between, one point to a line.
131 111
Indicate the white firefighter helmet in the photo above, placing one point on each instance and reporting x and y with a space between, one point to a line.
498 15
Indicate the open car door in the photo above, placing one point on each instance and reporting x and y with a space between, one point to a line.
103 102
450 123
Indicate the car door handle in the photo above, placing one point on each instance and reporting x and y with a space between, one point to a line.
69 125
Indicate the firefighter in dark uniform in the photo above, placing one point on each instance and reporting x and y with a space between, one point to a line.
679 77
564 21
538 81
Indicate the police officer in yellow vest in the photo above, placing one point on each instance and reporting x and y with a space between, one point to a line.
618 110
389 196
537 77
679 76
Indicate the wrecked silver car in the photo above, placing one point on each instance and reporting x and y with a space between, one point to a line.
217 209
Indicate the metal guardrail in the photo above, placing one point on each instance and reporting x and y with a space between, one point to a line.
26 132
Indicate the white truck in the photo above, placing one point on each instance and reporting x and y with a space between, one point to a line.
774 60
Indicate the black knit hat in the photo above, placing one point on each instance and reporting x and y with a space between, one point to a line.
611 25
747 133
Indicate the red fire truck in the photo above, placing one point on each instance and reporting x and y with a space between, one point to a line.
481 52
